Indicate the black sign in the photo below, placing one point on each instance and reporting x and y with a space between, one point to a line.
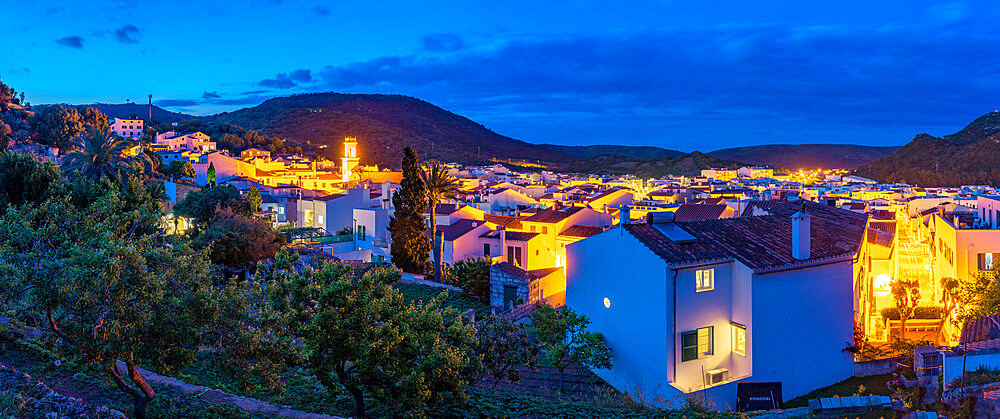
758 396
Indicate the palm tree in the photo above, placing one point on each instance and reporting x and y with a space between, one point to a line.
440 186
97 154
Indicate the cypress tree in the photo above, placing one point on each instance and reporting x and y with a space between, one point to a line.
211 175
410 248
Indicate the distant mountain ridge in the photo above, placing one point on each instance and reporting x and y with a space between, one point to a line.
384 124
806 156
969 156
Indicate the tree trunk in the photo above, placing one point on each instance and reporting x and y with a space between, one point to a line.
359 401
436 251
141 396
902 327
562 386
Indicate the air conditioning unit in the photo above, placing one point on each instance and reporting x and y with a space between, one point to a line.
716 376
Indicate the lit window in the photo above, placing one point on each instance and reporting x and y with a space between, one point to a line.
739 339
696 344
704 280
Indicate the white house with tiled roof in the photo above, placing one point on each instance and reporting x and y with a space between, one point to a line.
701 305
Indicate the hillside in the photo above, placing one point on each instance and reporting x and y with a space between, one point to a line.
120 110
686 164
384 124
639 152
970 156
806 156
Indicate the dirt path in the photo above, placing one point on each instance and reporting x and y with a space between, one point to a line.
63 384
216 396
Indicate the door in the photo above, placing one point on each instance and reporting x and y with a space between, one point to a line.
509 297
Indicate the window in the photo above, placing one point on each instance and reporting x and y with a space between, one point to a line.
988 260
514 256
545 230
704 280
696 344
532 229
739 339
486 249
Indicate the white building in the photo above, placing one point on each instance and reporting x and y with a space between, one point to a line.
127 128
701 305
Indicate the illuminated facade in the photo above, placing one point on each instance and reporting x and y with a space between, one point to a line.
350 159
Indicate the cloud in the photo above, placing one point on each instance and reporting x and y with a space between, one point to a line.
841 74
288 80
320 10
210 95
175 102
53 10
442 42
301 76
127 34
71 41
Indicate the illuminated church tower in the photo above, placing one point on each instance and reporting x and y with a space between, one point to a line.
350 159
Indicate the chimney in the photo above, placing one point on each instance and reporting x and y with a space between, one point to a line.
503 242
625 215
386 196
800 234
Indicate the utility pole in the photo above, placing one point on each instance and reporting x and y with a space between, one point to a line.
150 107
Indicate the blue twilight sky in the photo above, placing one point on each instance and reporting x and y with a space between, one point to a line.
679 74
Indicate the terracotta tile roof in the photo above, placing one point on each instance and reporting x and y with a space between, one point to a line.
442 209
552 215
582 231
883 215
507 267
883 225
457 229
694 212
517 236
504 220
763 243
879 237
330 197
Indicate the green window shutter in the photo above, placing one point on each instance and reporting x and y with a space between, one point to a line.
689 346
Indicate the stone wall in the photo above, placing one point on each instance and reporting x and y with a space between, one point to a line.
499 278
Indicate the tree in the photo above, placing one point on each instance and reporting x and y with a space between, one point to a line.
565 340
238 241
6 96
95 119
254 199
906 295
24 179
108 294
410 249
57 126
210 177
504 346
360 335
6 134
200 206
98 154
949 297
440 186
178 169
472 276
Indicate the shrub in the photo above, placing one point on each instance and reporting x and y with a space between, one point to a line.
926 312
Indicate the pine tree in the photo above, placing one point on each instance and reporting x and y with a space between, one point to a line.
211 175
410 248
254 199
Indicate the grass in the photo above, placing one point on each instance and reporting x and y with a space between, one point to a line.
69 380
980 376
875 384
454 299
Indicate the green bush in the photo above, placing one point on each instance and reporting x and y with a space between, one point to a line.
928 312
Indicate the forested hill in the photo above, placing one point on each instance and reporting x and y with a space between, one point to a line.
970 156
384 124
806 156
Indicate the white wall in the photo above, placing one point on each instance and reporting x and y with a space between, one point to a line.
636 326
953 364
802 321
